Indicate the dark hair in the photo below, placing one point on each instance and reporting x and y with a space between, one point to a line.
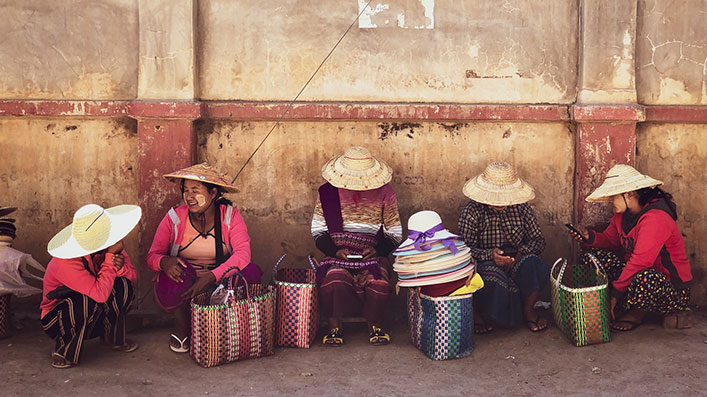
209 186
649 194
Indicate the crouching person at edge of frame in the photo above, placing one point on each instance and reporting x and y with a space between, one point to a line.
88 285
356 224
642 251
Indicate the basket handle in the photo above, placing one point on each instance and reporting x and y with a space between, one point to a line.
313 262
595 262
238 276
562 270
277 265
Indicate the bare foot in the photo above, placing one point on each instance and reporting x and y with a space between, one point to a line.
629 320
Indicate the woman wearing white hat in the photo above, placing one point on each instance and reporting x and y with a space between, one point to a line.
88 285
505 239
356 224
653 273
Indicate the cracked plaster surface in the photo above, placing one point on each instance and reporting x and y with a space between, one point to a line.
519 52
672 52
68 50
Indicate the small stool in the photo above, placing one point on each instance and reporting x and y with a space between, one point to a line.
678 320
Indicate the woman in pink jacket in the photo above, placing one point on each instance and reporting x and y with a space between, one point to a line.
642 250
195 246
88 285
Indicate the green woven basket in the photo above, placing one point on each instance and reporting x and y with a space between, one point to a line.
580 301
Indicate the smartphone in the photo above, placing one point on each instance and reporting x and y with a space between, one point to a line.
354 257
574 229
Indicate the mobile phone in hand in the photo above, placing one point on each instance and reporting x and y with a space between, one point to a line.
574 229
353 257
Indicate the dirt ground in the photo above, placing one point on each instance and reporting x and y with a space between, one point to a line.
647 361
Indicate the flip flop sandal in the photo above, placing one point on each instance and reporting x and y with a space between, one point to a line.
378 337
334 338
633 325
486 328
183 344
63 364
127 347
536 324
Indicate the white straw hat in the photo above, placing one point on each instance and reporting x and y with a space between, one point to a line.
498 185
621 178
94 229
421 225
357 169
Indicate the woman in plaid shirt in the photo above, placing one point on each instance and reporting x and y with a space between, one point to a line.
505 239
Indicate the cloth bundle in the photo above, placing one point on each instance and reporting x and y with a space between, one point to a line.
434 258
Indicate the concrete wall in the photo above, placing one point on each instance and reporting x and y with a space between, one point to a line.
522 51
677 154
431 163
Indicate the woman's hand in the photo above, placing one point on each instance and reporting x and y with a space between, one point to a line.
343 254
118 261
502 260
173 268
581 236
199 285
369 253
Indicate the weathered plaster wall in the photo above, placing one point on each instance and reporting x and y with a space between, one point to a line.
478 51
51 167
431 163
677 154
671 52
72 49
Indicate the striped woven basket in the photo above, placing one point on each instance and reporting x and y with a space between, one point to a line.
442 327
297 305
5 316
580 302
240 329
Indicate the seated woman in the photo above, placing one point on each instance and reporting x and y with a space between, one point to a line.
646 261
196 244
88 285
356 224
505 240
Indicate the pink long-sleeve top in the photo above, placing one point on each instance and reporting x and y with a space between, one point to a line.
71 273
235 236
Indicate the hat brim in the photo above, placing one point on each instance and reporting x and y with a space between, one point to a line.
609 188
7 210
175 178
370 179
434 246
411 275
431 280
441 262
123 218
499 196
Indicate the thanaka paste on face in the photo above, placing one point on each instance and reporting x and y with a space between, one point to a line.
200 199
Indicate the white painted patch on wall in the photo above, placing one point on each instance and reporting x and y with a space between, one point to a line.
396 9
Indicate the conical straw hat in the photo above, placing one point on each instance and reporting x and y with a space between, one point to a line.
203 173
621 178
94 229
357 169
498 185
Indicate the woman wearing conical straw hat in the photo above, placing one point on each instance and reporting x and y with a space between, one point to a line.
195 245
88 285
356 224
652 273
505 239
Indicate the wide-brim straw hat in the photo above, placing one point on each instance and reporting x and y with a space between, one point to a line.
621 178
94 229
423 221
498 185
439 263
445 278
357 169
432 247
203 173
411 275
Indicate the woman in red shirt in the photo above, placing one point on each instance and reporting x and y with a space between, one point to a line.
193 248
642 248
88 285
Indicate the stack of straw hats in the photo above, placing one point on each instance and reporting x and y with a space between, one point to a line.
431 255
8 231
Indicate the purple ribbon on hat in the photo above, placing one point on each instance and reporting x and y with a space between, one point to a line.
421 237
